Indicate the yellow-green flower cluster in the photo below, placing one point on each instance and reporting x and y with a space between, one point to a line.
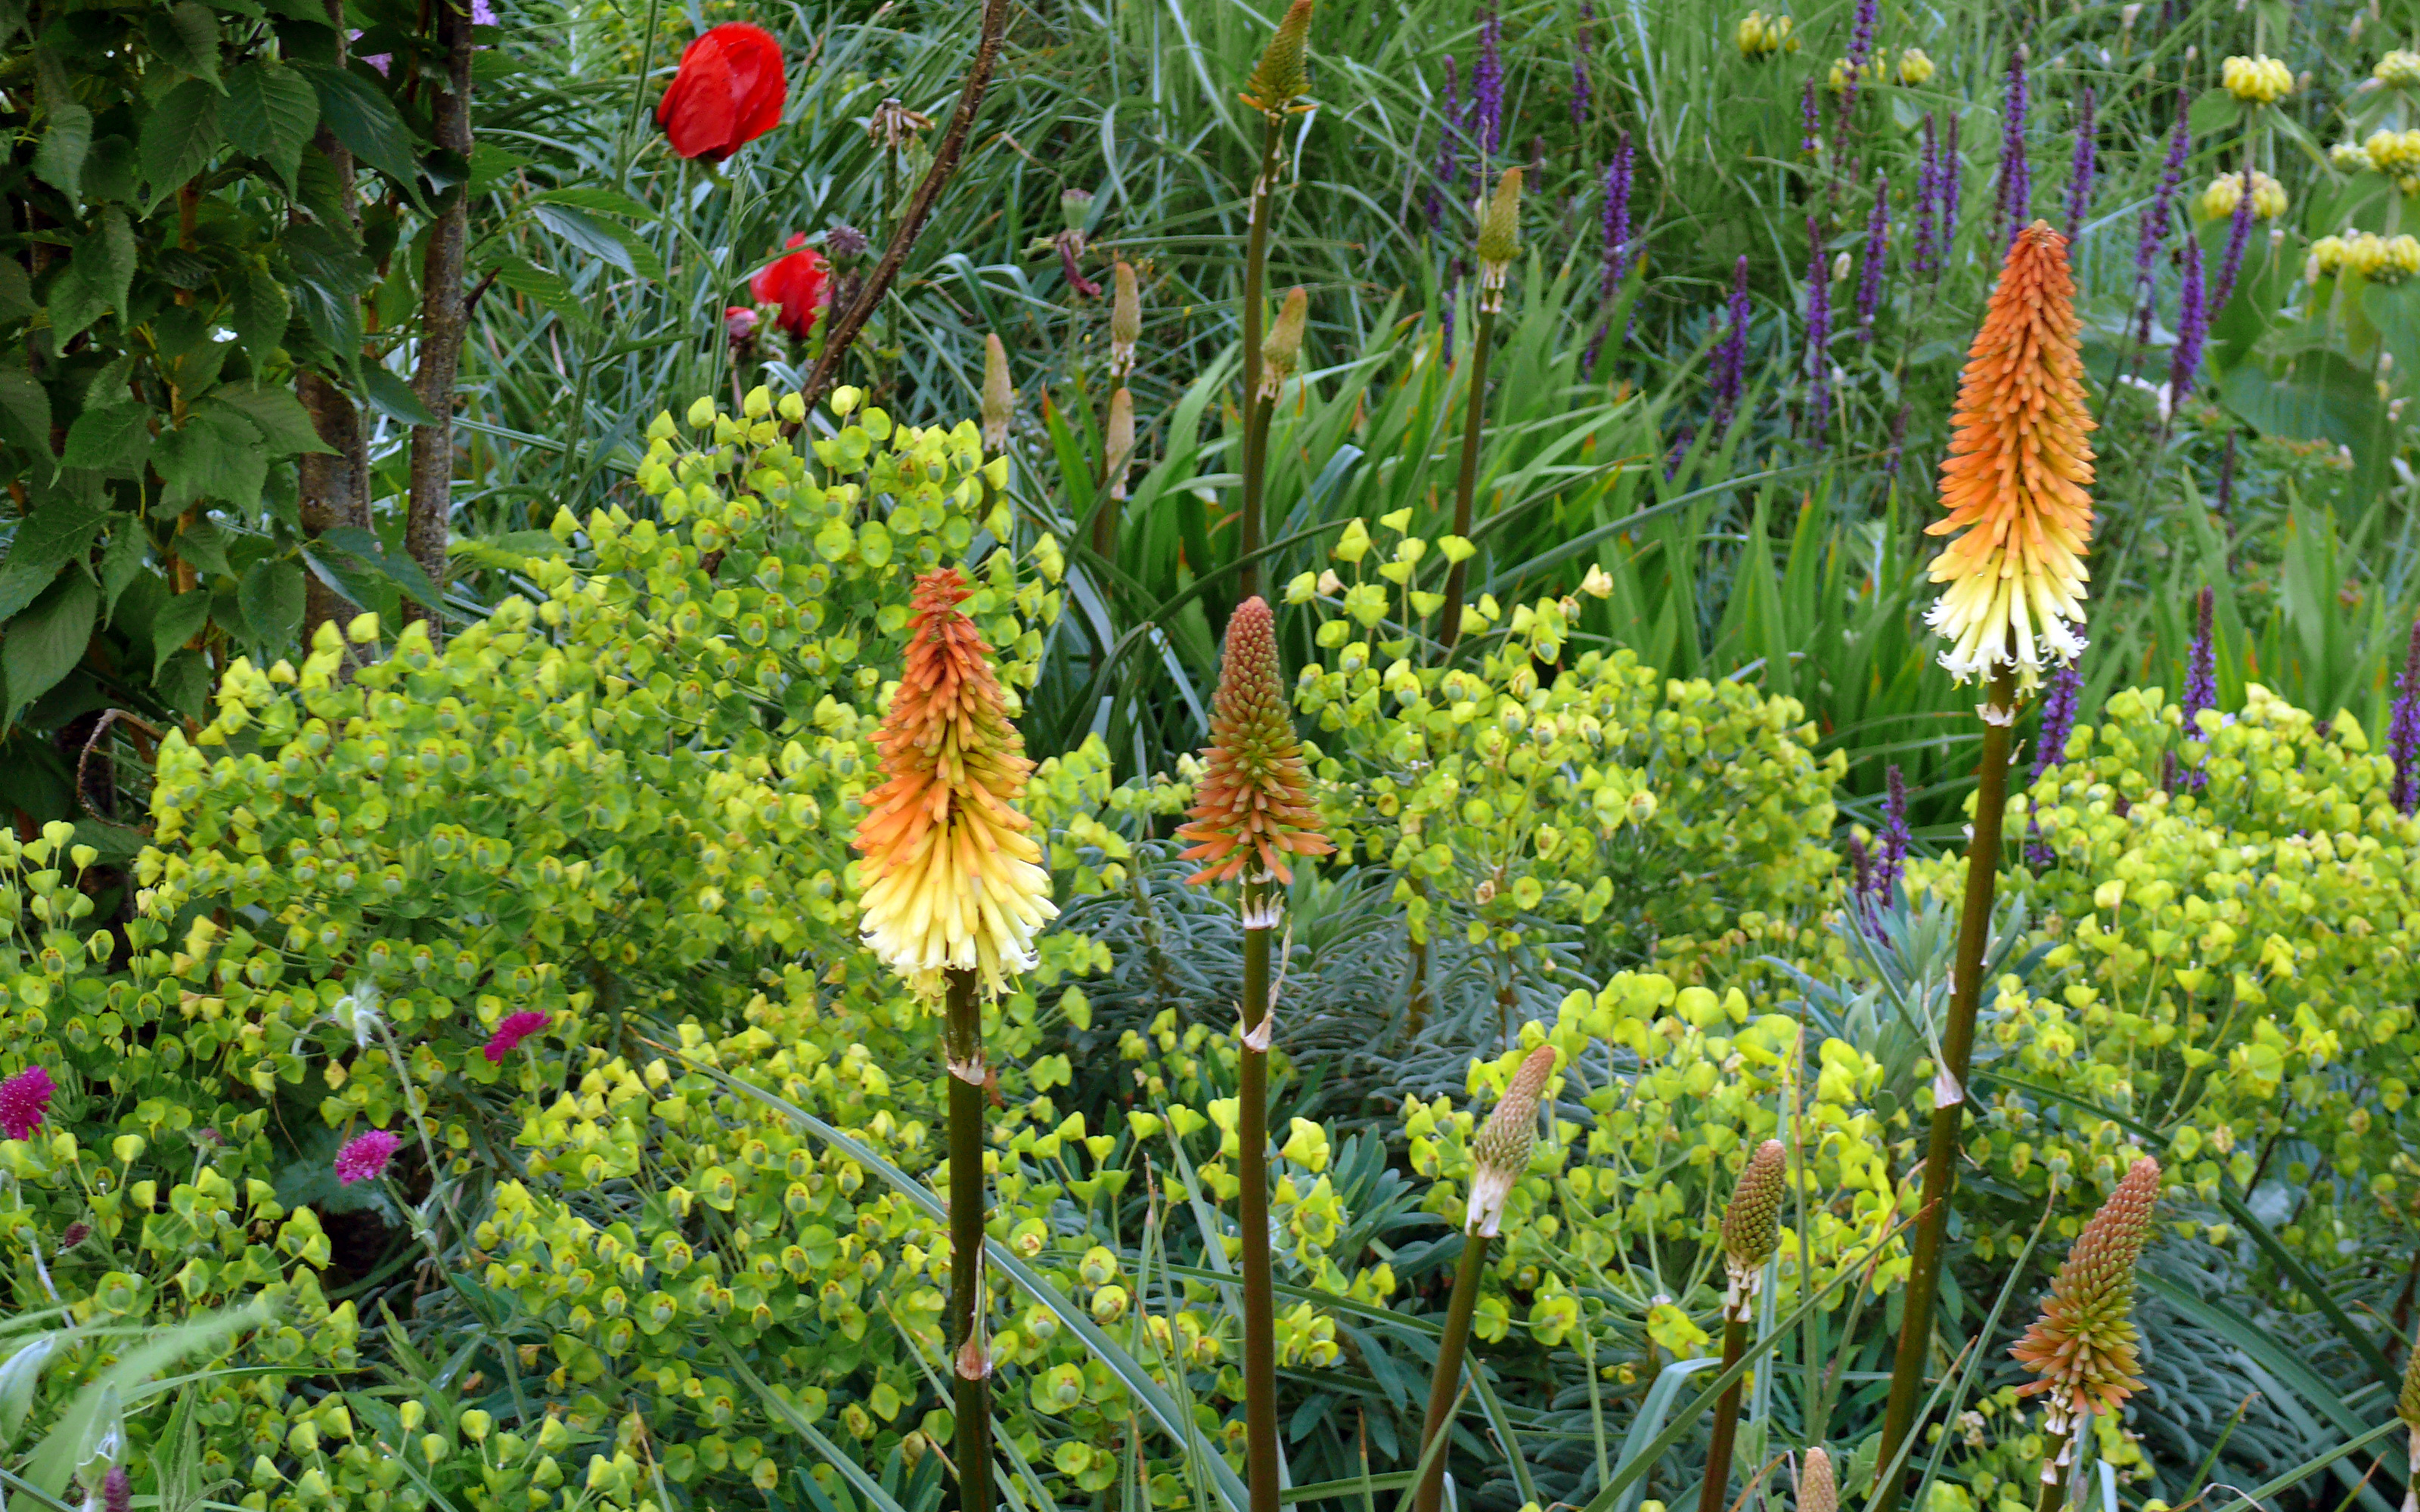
1914 67
2226 192
2371 256
1762 36
2398 68
2258 80
2393 153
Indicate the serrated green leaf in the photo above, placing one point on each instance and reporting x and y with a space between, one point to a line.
75 304
261 308
178 137
547 287
105 257
213 456
44 644
271 111
202 546
366 120
67 137
186 37
598 201
16 292
284 425
25 411
114 439
179 621
58 532
271 598
400 570
121 562
393 397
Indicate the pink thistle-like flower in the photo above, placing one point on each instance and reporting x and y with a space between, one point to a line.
365 1156
23 1099
513 1031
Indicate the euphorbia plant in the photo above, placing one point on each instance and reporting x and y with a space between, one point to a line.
2014 485
955 892
1250 812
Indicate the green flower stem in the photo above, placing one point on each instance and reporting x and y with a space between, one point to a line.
970 1362
1447 1383
1465 486
1256 409
1957 1050
2051 1494
1252 1210
1718 1452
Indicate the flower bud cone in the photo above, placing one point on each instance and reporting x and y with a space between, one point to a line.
1253 804
1819 1489
2083 1347
1280 78
1502 1145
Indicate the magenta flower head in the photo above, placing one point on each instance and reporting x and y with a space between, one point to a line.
512 1031
23 1099
365 1156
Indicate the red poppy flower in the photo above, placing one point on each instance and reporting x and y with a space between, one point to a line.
798 283
726 93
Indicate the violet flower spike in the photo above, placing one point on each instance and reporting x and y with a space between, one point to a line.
2062 697
1870 276
1817 367
2080 166
1953 187
1928 175
1891 847
2016 176
1616 217
2403 731
2239 236
1861 48
2192 325
1811 136
1487 88
2154 229
1729 366
1583 90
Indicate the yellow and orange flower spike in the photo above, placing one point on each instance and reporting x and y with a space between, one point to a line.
953 880
2016 479
2083 1347
1253 805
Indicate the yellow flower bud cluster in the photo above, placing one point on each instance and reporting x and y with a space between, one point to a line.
2226 192
1760 36
2379 259
2351 157
2258 80
1914 67
2393 153
2398 68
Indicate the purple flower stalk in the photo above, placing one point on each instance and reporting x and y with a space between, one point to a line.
1616 223
2403 731
2016 174
1730 356
1819 334
2193 324
1449 168
364 1157
1810 122
2079 167
1582 90
1487 88
2226 475
2201 668
1921 254
1861 48
1861 869
2239 236
2154 229
24 1098
2061 696
1444 320
1953 187
1870 276
1891 847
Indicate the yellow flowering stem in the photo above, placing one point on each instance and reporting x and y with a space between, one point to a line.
970 1353
1252 1205
1949 1082
1446 1385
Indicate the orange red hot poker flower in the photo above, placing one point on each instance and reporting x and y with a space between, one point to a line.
2015 482
953 880
2084 1345
1253 804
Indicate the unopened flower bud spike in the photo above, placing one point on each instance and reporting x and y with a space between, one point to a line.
2084 1345
1500 1152
1278 83
1751 1232
1499 243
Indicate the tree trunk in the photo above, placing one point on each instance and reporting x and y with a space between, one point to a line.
444 317
335 489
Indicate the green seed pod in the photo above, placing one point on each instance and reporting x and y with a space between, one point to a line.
998 399
1280 79
1284 348
1751 1227
1504 1142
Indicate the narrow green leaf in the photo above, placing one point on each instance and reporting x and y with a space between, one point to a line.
391 397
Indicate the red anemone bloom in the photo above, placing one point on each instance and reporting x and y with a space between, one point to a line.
798 283
726 93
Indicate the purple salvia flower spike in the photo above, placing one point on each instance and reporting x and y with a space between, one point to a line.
1729 366
1616 217
1861 49
1891 847
2080 166
2192 325
2061 696
2201 684
1927 174
1953 188
1819 334
1869 275
1810 123
1487 89
2016 174
1583 91
2154 229
2403 731
2238 236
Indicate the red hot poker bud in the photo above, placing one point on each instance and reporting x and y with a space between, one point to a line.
726 93
1279 79
1752 1227
1253 805
1503 1143
1819 1491
2083 1344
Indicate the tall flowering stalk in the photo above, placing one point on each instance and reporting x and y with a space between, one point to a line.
2193 329
955 892
1501 1152
2238 237
2403 729
1728 369
1818 366
2157 218
1891 844
1583 45
1953 188
1250 813
1923 252
1751 1233
2083 1347
1279 81
1615 223
2016 174
1499 243
1487 91
2201 681
1861 51
1877 250
2014 487
2080 165
1810 122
